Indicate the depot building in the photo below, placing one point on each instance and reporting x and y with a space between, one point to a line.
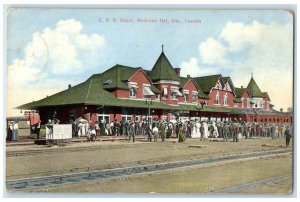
133 93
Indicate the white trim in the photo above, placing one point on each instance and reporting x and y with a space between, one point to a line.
133 83
196 92
187 103
167 82
145 84
139 99
174 87
186 91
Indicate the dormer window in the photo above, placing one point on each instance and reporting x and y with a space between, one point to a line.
147 92
175 93
195 97
107 82
132 91
186 95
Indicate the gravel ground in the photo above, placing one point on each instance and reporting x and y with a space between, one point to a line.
104 155
195 180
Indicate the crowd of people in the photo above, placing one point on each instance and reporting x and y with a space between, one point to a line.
181 129
12 133
157 129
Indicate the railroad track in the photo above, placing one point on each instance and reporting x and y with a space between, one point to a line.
31 141
239 188
55 180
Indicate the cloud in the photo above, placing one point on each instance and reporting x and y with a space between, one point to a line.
61 52
193 68
266 50
212 52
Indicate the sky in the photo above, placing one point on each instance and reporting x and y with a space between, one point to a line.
47 49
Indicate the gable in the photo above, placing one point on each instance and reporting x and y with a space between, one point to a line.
140 77
206 83
190 85
219 85
246 94
227 87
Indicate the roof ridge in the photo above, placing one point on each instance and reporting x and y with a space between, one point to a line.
88 92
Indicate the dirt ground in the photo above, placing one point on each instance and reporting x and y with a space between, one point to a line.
105 155
196 180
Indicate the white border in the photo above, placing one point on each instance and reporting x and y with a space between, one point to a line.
145 4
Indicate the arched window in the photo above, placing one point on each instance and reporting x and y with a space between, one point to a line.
225 99
217 98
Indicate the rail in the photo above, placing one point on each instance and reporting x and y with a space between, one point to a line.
54 180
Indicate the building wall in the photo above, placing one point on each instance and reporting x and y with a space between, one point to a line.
121 93
32 116
190 86
212 96
140 78
266 99
260 118
245 96
169 100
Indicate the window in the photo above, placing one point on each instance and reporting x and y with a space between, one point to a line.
126 114
158 96
185 96
235 105
165 93
268 105
248 103
103 116
174 95
132 92
225 100
243 104
217 98
194 98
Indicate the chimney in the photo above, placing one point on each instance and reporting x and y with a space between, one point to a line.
281 109
69 86
242 86
177 70
188 76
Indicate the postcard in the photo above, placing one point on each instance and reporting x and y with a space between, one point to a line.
151 101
